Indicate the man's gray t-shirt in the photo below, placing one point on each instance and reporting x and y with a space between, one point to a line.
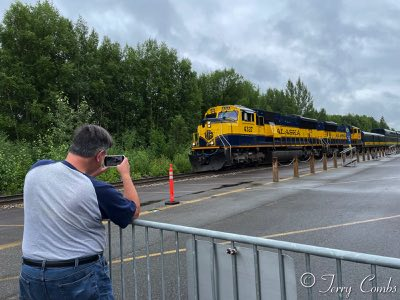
63 211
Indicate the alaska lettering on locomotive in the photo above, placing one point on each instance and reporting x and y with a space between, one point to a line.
288 132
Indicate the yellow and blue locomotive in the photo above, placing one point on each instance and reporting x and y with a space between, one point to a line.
232 135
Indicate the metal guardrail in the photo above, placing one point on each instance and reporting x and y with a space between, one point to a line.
165 278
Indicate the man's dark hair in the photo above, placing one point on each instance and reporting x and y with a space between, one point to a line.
89 139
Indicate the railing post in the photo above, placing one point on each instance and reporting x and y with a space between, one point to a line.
324 162
343 158
358 156
109 249
334 159
296 167
363 154
275 171
312 164
351 155
368 154
121 254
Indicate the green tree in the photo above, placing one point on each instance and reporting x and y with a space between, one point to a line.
107 88
301 97
179 135
37 50
223 87
86 65
161 88
322 115
277 101
382 123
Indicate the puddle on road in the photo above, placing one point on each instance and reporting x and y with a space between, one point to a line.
231 185
200 192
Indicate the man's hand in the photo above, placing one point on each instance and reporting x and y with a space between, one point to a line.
124 168
130 192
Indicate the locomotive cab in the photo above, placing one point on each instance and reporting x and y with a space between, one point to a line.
217 122
355 136
223 136
212 140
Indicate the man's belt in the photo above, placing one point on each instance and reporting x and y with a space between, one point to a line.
61 263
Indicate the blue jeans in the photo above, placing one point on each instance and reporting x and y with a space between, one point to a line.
87 281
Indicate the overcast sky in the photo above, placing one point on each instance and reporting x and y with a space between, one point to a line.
346 52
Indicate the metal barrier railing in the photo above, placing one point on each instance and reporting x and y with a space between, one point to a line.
148 270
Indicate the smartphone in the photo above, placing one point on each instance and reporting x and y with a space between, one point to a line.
113 160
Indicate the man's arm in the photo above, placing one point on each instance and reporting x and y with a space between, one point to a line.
129 188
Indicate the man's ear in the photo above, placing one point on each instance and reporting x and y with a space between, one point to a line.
100 155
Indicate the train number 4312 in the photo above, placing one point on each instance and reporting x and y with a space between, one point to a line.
248 129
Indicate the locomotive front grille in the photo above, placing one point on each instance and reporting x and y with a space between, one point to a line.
209 135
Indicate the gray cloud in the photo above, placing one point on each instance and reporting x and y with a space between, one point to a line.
345 51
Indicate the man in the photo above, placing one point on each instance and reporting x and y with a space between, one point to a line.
64 205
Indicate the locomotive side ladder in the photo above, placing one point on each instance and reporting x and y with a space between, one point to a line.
325 143
226 144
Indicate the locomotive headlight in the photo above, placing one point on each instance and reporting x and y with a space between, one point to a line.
208 124
194 144
212 143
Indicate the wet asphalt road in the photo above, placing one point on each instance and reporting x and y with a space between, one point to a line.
354 208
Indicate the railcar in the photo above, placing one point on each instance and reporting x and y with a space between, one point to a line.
390 137
380 137
231 135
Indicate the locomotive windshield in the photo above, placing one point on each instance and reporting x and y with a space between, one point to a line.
231 115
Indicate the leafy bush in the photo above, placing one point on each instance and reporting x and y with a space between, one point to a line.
111 175
16 157
140 163
15 161
130 139
181 163
158 145
159 166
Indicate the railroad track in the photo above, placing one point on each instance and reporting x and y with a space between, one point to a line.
18 198
13 199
